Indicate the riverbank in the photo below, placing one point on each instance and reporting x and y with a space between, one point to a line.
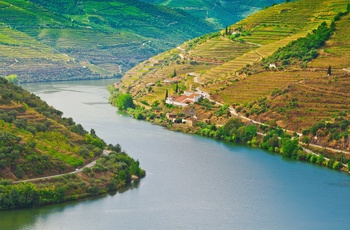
212 119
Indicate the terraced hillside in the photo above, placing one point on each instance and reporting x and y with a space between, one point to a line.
272 65
35 140
44 40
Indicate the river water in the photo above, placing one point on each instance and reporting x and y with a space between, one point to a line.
191 183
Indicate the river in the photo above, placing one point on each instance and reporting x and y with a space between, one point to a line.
191 183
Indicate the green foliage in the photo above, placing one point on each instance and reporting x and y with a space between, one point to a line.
30 147
234 130
12 78
320 159
304 49
124 101
336 165
60 6
114 171
19 196
95 141
289 147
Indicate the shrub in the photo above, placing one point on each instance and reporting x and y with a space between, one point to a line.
336 165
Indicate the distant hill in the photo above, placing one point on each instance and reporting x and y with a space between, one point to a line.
68 39
221 13
287 64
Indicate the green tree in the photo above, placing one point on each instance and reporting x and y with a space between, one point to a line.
166 94
288 147
176 88
329 71
174 73
124 101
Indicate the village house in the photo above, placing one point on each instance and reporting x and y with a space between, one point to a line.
272 65
183 100
171 116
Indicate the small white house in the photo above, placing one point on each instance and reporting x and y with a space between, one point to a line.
272 65
183 100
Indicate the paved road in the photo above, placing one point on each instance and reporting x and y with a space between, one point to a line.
90 165
234 112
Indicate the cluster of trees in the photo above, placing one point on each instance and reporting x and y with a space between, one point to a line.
332 130
234 131
18 196
276 140
304 49
124 102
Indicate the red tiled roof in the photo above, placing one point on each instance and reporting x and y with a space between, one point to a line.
181 98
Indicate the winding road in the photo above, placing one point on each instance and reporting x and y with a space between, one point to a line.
90 165
234 112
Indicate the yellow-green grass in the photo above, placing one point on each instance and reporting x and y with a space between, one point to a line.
97 69
16 44
220 48
57 145
53 143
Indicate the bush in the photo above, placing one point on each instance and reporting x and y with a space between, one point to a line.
337 165
313 159
124 101
86 170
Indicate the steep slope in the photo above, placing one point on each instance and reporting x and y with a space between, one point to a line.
271 66
36 140
50 40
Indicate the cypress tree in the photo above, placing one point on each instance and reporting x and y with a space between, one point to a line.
166 94
329 71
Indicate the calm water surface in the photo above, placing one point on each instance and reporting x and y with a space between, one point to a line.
191 182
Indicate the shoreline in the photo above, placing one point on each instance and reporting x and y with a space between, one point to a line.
300 151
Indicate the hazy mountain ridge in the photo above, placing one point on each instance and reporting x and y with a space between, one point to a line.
86 39
222 13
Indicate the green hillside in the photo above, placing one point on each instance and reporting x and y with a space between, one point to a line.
221 13
65 40
271 66
36 141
